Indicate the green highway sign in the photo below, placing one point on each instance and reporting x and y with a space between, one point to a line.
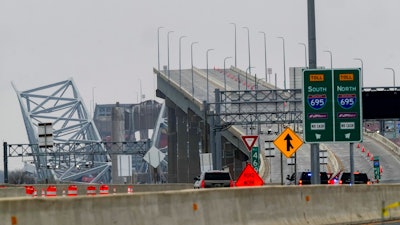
347 94
318 106
255 158
332 105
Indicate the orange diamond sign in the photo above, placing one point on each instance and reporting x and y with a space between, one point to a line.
288 142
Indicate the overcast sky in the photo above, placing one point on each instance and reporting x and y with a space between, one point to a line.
109 47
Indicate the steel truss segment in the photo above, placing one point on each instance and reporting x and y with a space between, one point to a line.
259 107
60 104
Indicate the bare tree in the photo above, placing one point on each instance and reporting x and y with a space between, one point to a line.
20 177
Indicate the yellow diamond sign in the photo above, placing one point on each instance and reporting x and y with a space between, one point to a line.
288 142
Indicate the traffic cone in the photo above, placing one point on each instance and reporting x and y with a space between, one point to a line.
362 149
372 157
43 193
380 170
368 154
34 193
358 145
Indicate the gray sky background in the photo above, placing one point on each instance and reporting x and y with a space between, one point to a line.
110 47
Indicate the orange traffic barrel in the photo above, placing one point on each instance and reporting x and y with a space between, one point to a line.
72 191
91 190
130 189
103 189
29 190
51 191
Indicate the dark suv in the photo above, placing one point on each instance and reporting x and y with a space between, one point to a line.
359 178
212 179
305 178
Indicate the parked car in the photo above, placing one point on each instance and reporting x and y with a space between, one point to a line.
303 178
213 179
359 178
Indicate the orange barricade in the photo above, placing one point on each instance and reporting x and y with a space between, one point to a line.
51 191
91 190
103 189
72 191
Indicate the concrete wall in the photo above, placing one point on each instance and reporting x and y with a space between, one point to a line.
11 192
262 205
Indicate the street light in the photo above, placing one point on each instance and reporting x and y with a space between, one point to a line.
305 54
248 69
180 69
158 46
191 60
208 50
234 24
168 49
284 62
330 53
362 71
394 80
248 46
265 54
225 72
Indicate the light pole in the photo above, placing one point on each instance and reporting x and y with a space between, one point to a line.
94 105
248 46
168 49
248 69
394 87
305 54
234 24
208 50
265 54
225 72
191 60
284 63
394 80
180 68
362 71
330 54
158 46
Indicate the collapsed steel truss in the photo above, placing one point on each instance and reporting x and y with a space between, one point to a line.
61 105
78 154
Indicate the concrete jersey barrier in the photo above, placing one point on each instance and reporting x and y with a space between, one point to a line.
277 205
